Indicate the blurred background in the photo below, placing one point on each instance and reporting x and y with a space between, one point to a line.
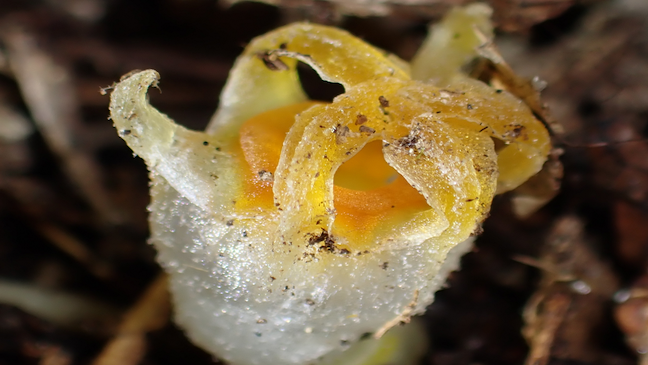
566 285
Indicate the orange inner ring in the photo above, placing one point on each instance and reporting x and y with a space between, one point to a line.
362 211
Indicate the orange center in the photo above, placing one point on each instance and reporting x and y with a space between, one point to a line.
368 193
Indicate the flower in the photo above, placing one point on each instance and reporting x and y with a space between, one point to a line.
292 227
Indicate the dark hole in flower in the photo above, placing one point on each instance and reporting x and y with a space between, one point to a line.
315 87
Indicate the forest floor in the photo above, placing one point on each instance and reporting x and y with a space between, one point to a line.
566 285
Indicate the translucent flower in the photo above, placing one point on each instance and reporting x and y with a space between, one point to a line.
292 227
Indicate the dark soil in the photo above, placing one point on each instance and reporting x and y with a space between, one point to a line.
73 199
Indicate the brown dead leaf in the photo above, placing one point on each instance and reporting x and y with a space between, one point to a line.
632 234
521 15
632 317
563 315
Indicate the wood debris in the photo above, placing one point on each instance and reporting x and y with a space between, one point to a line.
563 316
151 312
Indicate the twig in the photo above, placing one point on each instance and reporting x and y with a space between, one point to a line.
55 356
571 299
74 248
543 338
50 96
149 313
404 317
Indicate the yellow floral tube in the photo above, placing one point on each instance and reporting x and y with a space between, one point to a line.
291 227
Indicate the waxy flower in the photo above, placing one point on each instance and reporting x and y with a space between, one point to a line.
291 227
